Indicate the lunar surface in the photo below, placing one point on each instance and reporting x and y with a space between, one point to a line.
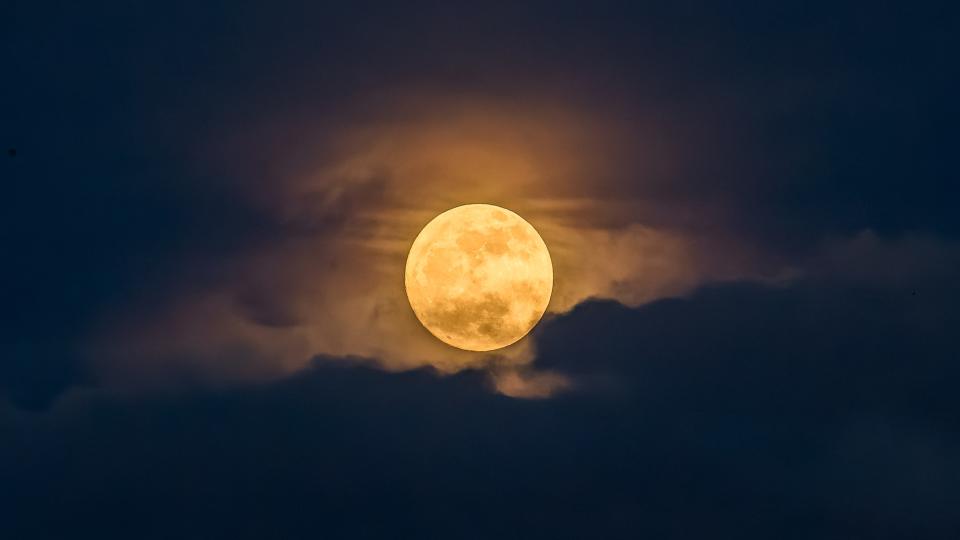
479 277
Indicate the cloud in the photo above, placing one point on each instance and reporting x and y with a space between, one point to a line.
256 183
206 219
814 409
346 203
346 193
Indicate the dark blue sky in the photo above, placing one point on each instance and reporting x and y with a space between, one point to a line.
798 381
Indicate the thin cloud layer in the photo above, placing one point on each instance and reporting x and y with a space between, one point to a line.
349 206
230 203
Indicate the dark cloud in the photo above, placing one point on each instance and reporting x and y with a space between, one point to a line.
205 197
164 148
810 411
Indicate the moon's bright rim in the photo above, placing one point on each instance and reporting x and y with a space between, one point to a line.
479 277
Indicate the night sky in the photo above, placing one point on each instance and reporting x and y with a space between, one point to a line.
751 209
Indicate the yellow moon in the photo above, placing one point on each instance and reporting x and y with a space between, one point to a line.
479 277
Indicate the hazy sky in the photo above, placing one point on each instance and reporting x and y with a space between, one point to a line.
751 210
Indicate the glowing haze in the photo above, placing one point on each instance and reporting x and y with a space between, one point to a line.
346 195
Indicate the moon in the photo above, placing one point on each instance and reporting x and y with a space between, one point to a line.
479 277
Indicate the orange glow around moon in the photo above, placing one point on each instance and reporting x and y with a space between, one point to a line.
479 277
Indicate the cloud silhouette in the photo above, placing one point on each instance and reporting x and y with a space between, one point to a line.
751 210
810 410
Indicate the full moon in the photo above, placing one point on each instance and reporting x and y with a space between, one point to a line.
479 277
